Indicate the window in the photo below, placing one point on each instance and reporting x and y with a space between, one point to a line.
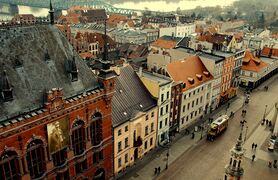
119 132
191 115
97 157
60 157
182 120
251 74
198 90
120 146
126 142
36 159
161 111
187 118
167 95
63 175
184 97
146 130
78 137
193 92
189 94
147 117
126 128
152 127
197 101
166 121
9 166
119 162
152 114
183 108
196 113
162 97
188 105
146 144
202 88
167 107
160 124
96 129
126 158
80 167
193 103
201 99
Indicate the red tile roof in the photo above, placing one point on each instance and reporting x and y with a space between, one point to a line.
191 71
267 51
252 63
166 44
114 19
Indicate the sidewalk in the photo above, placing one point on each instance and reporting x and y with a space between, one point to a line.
260 136
144 169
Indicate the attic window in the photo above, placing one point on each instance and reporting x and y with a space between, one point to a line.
206 73
191 80
141 106
125 113
121 91
199 77
183 85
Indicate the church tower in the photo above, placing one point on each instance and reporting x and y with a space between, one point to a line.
234 170
51 13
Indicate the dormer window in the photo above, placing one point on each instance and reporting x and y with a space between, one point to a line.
190 80
199 77
206 73
6 89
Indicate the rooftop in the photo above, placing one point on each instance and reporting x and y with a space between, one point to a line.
190 70
36 63
252 63
130 98
160 79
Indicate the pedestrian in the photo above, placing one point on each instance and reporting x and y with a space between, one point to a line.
275 163
158 169
155 170
253 157
193 135
269 123
266 121
253 145
269 164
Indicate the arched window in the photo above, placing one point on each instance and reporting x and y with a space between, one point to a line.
78 137
36 158
9 166
96 129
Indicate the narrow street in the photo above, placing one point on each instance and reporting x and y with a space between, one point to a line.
206 161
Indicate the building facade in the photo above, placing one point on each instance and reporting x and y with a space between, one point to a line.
180 30
134 115
197 89
160 88
55 123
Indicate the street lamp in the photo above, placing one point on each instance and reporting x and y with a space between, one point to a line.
264 112
245 133
167 155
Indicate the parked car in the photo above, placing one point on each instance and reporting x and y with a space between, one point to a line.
272 144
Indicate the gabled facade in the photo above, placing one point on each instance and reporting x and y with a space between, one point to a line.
134 115
197 89
160 88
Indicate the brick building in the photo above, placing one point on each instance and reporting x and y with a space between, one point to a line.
55 114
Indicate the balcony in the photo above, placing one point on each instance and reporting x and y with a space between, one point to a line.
138 142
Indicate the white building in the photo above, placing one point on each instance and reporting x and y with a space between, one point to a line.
181 30
197 89
160 88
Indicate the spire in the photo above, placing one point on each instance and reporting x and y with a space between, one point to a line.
105 52
238 145
51 13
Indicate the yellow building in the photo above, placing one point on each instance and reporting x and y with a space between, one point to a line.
134 117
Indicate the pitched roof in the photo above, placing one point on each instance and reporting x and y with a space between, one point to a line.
35 76
131 96
166 42
114 19
191 71
92 15
72 18
270 51
252 63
